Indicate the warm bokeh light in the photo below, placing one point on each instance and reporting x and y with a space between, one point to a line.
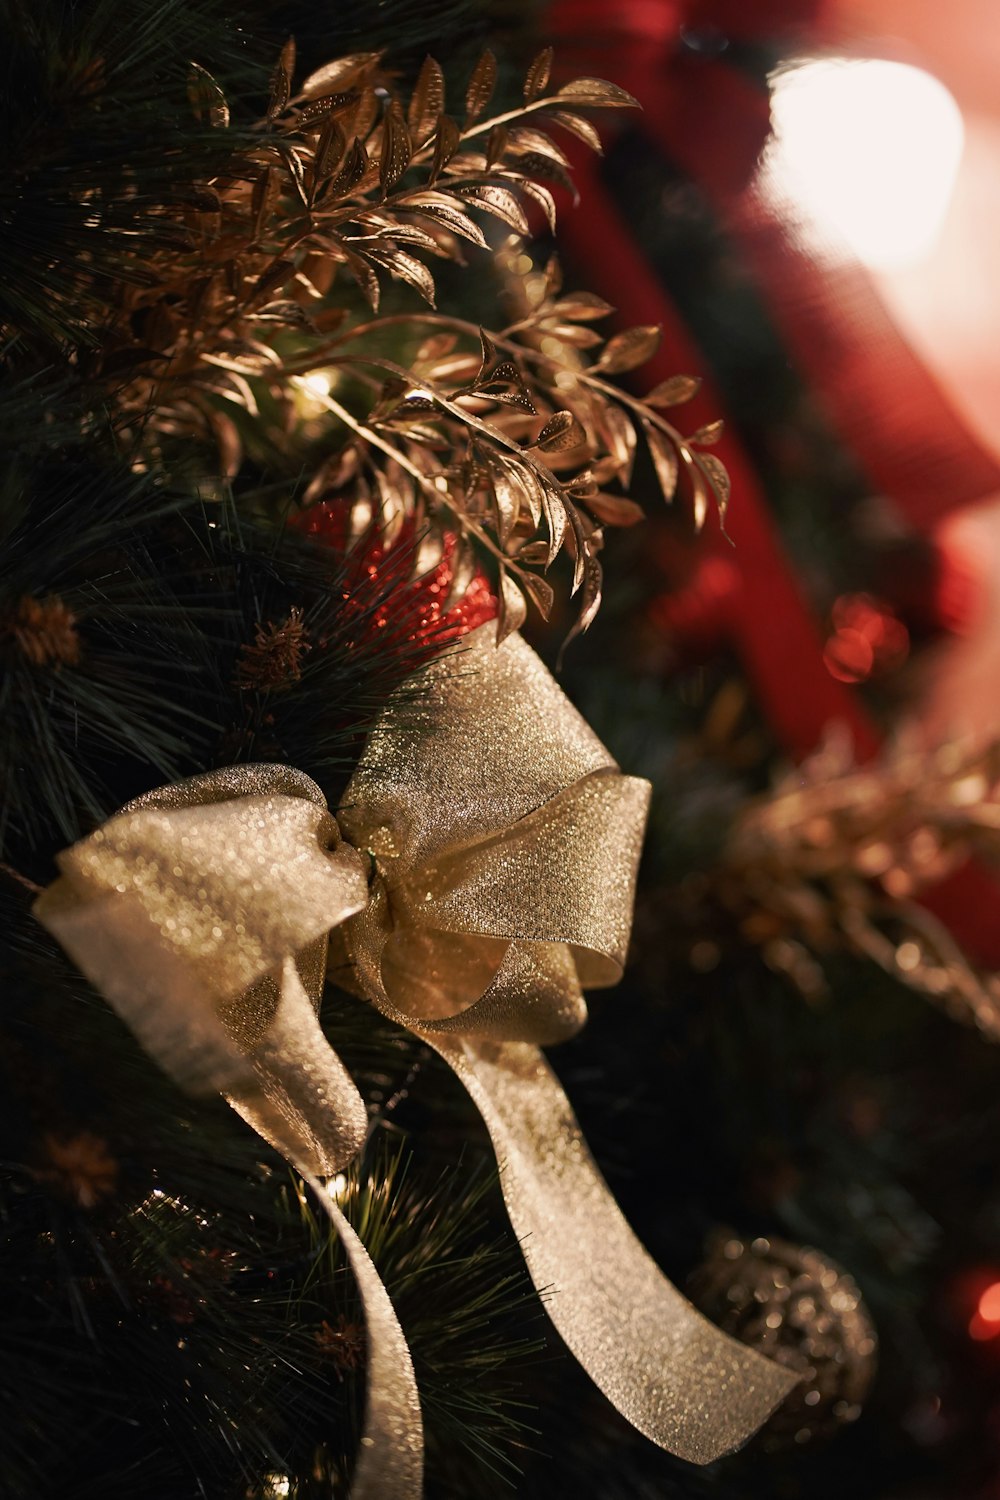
989 1304
317 383
871 149
866 639
984 1324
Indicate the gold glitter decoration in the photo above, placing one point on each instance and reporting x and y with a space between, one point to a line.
481 874
804 1311
836 857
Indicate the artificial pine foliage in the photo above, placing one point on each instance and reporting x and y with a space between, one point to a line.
289 401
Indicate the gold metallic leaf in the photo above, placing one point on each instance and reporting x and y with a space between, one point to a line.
517 397
718 478
590 601
596 91
446 142
444 210
614 510
673 392
281 80
543 197
481 86
355 166
582 307
259 198
558 516
396 148
508 496
427 101
296 172
530 138
499 201
572 333
537 78
489 354
499 370
206 96
513 608
627 350
619 432
583 129
535 164
582 485
330 148
342 73
699 486
590 594
389 396
561 432
534 492
319 109
710 433
413 406
541 593
436 347
367 111
533 552
408 269
605 468
665 460
276 276
364 276
496 144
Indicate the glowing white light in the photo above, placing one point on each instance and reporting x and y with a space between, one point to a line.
871 149
317 383
313 390
337 1185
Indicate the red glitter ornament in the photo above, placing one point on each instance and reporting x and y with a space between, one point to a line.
390 599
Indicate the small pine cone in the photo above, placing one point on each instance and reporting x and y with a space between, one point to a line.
81 1166
274 661
43 631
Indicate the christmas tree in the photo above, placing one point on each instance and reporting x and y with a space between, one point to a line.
307 415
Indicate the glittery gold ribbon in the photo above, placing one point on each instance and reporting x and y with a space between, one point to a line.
479 876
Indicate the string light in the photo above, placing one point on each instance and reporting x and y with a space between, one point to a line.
312 391
337 1185
317 383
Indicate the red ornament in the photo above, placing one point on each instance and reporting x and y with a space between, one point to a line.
380 583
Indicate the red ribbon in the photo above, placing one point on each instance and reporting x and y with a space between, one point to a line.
713 123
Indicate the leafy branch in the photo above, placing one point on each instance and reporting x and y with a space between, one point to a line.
517 447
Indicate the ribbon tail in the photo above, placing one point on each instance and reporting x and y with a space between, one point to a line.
391 1455
300 1097
303 1101
675 1376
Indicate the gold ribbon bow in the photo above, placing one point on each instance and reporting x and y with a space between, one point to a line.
479 876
